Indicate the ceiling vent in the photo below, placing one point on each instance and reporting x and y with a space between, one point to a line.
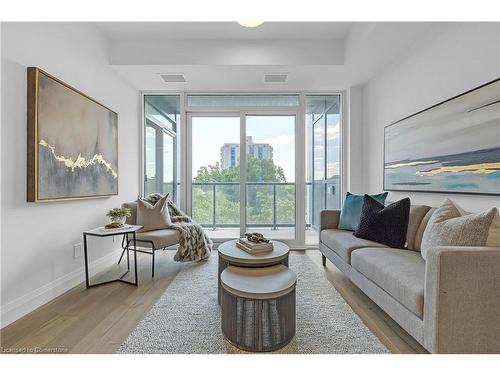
173 77
275 77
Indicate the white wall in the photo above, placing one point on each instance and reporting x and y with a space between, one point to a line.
460 58
37 239
352 150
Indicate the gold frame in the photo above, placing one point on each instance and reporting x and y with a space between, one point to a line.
33 74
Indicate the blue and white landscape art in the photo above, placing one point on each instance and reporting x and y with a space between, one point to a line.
453 147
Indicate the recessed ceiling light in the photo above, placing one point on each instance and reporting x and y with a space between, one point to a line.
250 23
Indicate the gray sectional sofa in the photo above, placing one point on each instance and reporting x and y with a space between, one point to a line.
449 304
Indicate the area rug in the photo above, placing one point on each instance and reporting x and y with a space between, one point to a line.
186 319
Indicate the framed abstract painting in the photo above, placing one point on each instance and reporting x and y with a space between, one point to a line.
72 150
452 147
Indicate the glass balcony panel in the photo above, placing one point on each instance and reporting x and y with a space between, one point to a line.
227 205
285 204
259 204
333 194
203 203
319 201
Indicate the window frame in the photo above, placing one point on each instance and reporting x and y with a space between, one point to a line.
182 140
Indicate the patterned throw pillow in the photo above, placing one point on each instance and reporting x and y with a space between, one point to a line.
153 216
447 227
351 210
384 224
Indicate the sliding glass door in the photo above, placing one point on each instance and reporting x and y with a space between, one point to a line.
270 175
243 174
215 173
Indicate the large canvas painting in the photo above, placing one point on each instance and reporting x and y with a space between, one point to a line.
452 147
72 142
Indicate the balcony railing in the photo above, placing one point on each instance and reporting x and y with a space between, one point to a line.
269 204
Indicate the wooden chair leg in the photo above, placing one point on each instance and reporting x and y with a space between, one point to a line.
323 260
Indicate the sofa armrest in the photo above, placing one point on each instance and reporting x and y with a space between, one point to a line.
329 219
462 300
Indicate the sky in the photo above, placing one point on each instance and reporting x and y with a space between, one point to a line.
210 133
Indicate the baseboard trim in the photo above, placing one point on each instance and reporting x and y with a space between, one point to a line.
29 302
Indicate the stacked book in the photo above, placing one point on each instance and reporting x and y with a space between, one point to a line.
253 247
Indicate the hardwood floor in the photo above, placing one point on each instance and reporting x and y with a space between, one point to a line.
97 320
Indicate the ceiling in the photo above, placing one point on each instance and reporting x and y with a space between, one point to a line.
153 31
224 56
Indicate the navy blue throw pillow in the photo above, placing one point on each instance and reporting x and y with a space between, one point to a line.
384 224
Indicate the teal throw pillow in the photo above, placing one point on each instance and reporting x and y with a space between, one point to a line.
351 211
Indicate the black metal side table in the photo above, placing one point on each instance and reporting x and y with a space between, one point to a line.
102 232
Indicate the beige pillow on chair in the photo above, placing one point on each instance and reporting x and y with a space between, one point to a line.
153 217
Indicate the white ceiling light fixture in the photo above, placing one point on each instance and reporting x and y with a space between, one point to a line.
250 23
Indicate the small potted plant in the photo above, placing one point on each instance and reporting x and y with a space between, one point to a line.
118 216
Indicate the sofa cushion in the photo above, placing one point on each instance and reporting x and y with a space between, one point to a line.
417 244
161 238
344 243
417 214
400 273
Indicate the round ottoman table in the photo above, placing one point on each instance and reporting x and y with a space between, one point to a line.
258 307
231 255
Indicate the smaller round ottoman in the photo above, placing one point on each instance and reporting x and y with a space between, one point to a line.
258 307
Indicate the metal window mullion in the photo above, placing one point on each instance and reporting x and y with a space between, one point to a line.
159 159
325 162
181 141
142 148
243 174
188 164
300 178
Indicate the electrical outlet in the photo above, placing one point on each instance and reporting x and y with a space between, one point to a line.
77 250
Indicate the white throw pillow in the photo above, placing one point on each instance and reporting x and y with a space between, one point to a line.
494 232
153 217
451 226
